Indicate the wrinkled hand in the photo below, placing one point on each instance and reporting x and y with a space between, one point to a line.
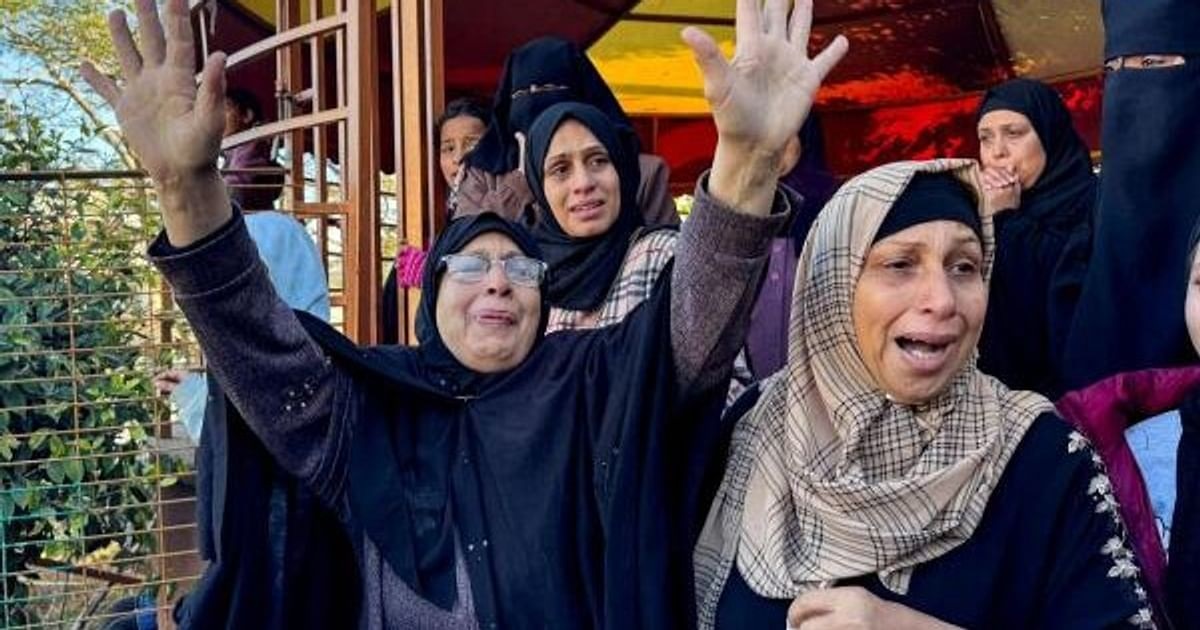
761 97
1001 189
173 126
854 608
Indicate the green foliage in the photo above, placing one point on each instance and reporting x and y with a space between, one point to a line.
75 395
42 43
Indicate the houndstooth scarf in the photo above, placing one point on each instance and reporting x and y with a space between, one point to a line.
827 478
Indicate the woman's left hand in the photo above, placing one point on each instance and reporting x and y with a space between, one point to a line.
760 98
854 608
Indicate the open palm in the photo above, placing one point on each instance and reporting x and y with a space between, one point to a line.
172 126
762 96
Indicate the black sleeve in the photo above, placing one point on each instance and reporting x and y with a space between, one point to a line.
1094 579
389 310
1183 569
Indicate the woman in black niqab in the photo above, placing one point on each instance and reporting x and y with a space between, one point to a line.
543 72
1128 315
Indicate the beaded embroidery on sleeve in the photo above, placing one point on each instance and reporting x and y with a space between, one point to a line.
1124 564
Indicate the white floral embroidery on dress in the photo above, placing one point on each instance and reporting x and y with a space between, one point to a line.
1124 563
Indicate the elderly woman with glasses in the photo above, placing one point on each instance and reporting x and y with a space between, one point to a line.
494 476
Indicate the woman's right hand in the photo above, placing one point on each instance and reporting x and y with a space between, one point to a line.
166 381
173 127
855 608
759 98
1001 189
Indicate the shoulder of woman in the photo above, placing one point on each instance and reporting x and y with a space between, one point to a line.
655 240
651 249
1050 446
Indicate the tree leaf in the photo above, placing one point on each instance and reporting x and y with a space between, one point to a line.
74 470
56 472
39 436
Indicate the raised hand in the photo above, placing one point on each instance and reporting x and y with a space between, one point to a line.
760 98
172 126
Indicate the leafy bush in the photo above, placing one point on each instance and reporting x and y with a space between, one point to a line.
76 404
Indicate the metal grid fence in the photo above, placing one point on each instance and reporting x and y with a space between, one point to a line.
94 492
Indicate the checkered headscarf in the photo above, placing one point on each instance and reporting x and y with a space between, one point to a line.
827 478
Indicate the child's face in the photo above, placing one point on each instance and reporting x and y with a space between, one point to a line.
1191 305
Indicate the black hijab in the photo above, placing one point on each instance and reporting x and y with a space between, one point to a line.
541 62
1066 190
583 269
1032 291
1129 315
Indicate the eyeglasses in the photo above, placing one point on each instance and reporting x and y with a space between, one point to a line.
471 268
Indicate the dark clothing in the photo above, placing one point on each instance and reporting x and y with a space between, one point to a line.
1032 298
389 310
1151 26
1183 569
767 341
252 191
543 72
809 185
811 178
1031 301
560 478
264 534
1130 312
1035 561
583 269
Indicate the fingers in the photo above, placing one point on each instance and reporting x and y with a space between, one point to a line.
462 173
209 109
150 32
181 48
520 151
103 84
809 606
127 54
774 18
990 179
801 24
711 62
825 61
166 381
998 178
748 21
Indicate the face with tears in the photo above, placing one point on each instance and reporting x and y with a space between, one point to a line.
919 306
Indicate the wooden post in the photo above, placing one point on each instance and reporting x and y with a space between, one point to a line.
417 90
360 175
